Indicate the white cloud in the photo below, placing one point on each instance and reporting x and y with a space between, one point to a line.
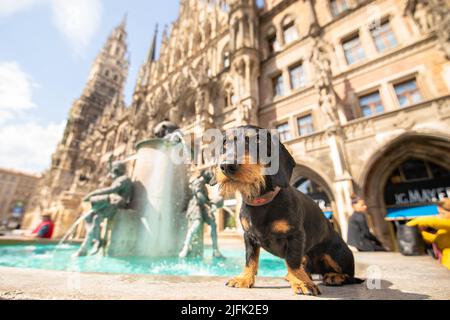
24 144
15 90
9 7
77 20
28 146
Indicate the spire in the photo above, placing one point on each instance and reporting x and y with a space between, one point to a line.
152 51
123 24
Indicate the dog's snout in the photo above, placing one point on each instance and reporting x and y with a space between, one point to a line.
229 168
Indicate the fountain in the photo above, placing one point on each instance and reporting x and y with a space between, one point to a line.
154 223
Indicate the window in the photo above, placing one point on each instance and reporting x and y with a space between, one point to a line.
298 77
408 93
230 97
371 104
272 42
416 169
283 131
226 59
384 37
305 125
278 86
338 6
353 50
290 33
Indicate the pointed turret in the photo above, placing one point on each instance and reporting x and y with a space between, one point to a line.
105 84
146 68
152 51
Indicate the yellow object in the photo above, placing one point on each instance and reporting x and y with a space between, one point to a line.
441 238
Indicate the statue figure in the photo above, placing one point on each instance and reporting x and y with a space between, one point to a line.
244 111
201 210
105 203
423 16
169 131
328 100
432 15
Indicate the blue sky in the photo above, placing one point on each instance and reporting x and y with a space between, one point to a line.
46 50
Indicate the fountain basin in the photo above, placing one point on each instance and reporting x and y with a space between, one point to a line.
49 257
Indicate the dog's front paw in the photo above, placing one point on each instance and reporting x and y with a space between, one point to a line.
308 288
243 281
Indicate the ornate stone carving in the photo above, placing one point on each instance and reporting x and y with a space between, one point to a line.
320 60
432 15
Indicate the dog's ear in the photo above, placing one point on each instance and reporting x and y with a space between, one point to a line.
287 164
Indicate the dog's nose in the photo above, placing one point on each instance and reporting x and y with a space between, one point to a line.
229 169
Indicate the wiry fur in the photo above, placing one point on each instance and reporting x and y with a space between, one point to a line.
249 181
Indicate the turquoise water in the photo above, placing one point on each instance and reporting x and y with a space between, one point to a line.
47 257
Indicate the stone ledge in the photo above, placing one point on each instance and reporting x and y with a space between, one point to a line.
401 278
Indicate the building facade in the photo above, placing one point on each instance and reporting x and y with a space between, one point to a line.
16 188
358 90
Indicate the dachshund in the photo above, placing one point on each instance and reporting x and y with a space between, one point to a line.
277 217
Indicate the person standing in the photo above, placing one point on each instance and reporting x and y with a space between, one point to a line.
359 235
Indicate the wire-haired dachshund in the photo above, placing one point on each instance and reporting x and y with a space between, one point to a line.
281 219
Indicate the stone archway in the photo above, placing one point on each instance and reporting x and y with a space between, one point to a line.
317 180
432 148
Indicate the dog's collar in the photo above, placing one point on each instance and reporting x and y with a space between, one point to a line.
263 199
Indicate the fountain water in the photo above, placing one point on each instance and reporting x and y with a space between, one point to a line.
156 224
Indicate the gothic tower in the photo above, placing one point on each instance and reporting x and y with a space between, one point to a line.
106 81
245 61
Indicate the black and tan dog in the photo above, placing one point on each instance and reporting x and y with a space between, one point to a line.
277 217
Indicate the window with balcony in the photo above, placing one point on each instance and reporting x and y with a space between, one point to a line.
278 86
305 125
284 132
297 76
371 104
353 50
338 6
384 37
408 93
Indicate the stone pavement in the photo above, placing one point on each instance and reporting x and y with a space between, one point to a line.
392 277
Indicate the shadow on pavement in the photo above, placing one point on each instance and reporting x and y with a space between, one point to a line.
359 292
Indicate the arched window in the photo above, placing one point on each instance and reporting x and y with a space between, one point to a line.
116 77
290 32
107 73
315 191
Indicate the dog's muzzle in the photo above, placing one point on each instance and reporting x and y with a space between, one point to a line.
229 169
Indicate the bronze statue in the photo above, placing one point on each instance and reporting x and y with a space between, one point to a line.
169 131
105 203
201 210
